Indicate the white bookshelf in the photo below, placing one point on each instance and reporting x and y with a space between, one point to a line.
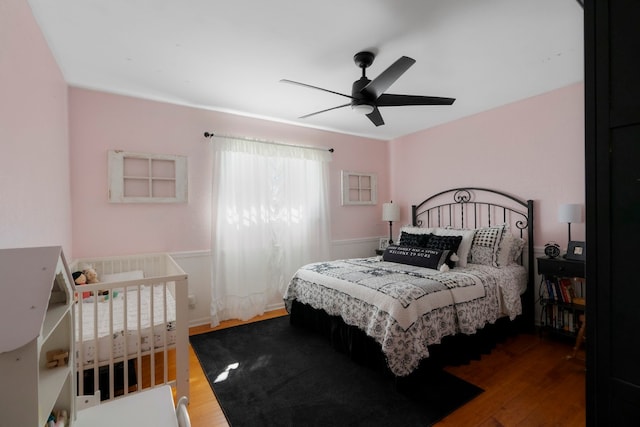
37 317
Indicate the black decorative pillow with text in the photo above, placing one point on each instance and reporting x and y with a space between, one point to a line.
419 257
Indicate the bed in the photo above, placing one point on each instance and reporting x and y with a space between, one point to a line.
460 271
131 328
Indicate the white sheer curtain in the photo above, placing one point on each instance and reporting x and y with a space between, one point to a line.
270 204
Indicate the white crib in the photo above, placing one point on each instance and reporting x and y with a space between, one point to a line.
131 332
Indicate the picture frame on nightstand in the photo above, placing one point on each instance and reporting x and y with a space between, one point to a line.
576 251
384 243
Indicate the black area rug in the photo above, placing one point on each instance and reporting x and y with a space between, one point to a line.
270 373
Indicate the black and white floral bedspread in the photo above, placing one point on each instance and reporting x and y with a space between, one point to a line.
406 308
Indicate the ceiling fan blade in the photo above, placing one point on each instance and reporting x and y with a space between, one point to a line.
381 83
314 87
390 100
376 117
323 111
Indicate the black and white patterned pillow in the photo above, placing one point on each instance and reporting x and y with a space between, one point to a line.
445 243
484 249
465 244
418 240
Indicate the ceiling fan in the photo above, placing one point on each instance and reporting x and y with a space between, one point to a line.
367 95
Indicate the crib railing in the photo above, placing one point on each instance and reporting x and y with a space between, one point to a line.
141 345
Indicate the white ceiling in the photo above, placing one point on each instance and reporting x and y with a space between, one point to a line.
230 55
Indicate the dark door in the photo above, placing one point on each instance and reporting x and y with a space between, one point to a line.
612 124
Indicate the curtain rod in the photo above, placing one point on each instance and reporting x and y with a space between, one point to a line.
211 135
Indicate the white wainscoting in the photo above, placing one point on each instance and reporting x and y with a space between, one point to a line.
198 265
354 248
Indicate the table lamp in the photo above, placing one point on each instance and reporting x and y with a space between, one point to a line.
570 213
390 212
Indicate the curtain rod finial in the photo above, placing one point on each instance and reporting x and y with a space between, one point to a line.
208 134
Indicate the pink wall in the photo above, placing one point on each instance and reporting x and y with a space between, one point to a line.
35 201
101 121
533 148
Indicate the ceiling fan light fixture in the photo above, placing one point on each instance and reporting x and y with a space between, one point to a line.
362 108
367 96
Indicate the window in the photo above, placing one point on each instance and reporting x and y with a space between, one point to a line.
359 188
147 178
270 216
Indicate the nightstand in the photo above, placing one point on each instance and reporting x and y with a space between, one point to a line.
561 294
560 267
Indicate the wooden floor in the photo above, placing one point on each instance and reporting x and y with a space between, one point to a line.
528 381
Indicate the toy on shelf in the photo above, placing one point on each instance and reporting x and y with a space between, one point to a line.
57 358
58 419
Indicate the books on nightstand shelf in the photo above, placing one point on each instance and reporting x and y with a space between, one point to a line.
562 290
562 295
562 318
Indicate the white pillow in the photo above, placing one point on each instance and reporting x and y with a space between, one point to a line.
509 249
121 277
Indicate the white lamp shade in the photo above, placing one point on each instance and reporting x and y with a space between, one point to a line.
390 212
571 213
